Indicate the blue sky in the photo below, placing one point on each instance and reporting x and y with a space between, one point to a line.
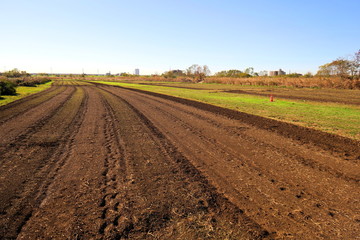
157 35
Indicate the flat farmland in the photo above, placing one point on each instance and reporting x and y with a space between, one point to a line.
91 161
335 111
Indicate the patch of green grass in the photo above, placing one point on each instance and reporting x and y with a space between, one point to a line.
335 118
23 92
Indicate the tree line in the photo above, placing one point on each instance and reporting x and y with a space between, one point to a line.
195 71
342 67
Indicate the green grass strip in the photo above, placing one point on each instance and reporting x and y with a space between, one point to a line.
23 92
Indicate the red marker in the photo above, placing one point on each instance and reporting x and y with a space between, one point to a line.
271 98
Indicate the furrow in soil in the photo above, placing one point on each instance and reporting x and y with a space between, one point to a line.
19 107
15 132
164 196
280 183
30 169
85 161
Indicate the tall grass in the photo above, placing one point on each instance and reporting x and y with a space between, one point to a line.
281 81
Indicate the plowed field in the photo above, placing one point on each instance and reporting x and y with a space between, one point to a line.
84 161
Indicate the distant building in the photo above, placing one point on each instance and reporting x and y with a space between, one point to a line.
277 73
137 71
273 73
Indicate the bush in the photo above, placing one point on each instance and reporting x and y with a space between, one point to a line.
15 73
7 88
294 75
31 82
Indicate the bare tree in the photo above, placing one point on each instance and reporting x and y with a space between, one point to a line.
197 72
346 68
249 70
356 64
340 67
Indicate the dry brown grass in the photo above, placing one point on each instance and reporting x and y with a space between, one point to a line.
283 81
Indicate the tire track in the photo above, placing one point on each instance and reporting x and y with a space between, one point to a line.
114 174
124 225
298 202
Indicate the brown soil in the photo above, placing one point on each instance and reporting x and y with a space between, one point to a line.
102 162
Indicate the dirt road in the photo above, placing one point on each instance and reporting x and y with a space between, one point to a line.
101 162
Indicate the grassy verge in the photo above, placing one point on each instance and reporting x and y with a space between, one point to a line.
23 92
335 118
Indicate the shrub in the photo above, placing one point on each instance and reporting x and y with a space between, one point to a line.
15 73
31 82
7 88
